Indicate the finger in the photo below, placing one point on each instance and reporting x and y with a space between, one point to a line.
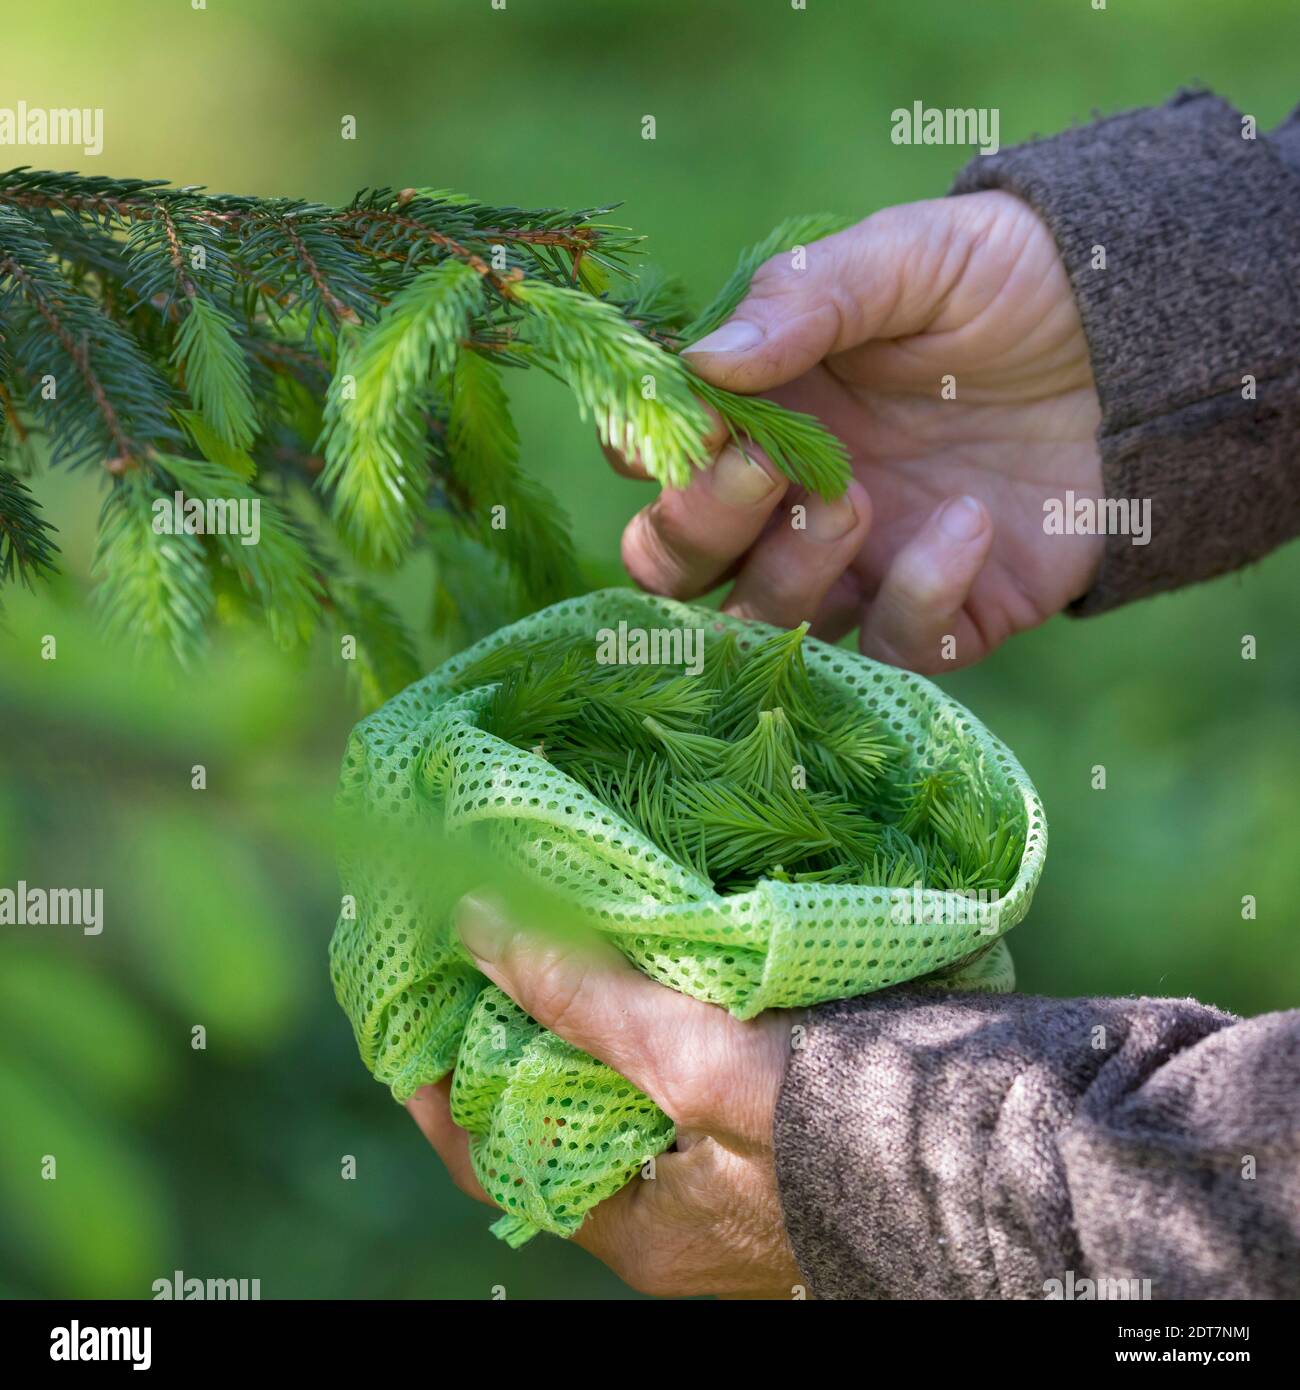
792 568
628 462
580 987
624 466
430 1108
884 277
841 609
686 539
920 600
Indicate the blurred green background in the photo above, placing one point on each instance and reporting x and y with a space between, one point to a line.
226 1162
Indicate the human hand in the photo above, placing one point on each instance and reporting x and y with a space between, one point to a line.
709 1222
941 533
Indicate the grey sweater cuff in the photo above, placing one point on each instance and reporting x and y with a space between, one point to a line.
1200 291
1009 1146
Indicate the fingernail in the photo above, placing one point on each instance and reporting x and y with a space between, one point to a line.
962 519
828 521
735 336
737 481
481 927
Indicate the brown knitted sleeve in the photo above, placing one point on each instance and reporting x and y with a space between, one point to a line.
976 1146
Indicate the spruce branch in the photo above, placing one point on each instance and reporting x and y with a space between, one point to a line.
772 676
322 270
107 393
638 395
216 373
180 266
483 448
375 445
8 413
153 589
795 443
236 347
865 808
27 548
216 449
279 569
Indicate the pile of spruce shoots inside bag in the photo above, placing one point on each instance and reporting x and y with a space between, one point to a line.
746 771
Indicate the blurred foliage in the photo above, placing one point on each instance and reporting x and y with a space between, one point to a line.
225 1162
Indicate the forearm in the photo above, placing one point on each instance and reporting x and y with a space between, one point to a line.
981 1147
1182 243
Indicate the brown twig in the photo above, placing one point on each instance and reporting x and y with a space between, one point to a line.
80 356
342 312
175 249
76 202
15 424
137 208
501 283
575 239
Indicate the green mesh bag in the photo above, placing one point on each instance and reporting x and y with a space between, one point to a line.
553 1131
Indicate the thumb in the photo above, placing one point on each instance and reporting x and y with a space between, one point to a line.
833 295
581 987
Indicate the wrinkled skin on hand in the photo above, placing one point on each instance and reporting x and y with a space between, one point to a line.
941 532
709 1221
